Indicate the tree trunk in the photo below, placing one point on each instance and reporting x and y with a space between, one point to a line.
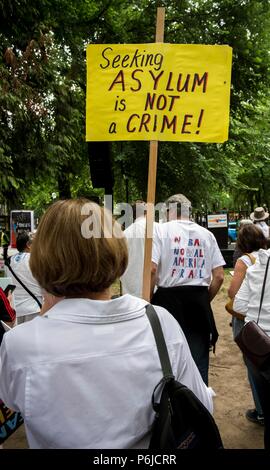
64 187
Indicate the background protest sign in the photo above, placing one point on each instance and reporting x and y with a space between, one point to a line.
217 220
20 221
159 91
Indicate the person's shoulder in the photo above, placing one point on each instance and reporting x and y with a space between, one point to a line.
171 226
20 257
26 328
26 258
160 228
248 258
13 260
242 263
135 230
129 230
202 230
20 338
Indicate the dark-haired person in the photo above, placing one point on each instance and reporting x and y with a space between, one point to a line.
26 306
83 373
250 240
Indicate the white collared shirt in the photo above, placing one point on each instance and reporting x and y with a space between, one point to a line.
83 374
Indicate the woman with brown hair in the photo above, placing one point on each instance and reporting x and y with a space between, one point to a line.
82 374
250 240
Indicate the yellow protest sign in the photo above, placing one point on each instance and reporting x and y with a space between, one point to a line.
169 92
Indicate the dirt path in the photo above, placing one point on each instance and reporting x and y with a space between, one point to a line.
228 378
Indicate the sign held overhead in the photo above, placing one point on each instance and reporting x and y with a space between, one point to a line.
169 92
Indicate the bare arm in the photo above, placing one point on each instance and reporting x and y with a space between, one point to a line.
238 277
217 280
241 300
153 278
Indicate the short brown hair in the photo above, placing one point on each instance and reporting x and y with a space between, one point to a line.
138 209
251 238
66 263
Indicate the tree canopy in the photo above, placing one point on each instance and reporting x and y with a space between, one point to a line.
42 101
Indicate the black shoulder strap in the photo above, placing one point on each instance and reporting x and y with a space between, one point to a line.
263 288
7 263
160 342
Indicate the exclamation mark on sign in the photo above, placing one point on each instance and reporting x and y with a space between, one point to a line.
200 121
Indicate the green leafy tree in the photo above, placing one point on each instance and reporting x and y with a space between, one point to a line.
42 98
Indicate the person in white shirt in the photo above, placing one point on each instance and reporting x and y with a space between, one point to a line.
250 240
83 373
187 267
259 217
247 301
25 305
132 279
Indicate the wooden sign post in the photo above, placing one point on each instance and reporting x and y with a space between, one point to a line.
151 189
157 92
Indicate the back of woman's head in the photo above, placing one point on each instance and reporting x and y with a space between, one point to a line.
78 248
250 238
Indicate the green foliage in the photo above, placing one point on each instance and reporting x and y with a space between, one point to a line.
42 100
212 175
44 191
252 143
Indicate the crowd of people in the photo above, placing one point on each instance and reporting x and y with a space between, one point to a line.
98 352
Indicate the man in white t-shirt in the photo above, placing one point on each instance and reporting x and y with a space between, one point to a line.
187 267
132 279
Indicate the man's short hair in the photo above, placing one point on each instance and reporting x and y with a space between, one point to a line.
138 208
65 262
181 202
22 240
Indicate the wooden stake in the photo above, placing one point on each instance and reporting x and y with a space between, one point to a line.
151 189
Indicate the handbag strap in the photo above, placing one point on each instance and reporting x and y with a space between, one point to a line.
263 288
7 263
160 342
